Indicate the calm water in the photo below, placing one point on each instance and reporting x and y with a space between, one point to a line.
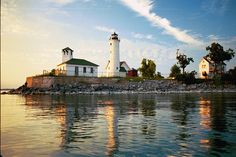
119 125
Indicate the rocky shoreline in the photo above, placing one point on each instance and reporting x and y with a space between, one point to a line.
148 86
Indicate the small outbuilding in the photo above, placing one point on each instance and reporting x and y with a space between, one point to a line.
133 73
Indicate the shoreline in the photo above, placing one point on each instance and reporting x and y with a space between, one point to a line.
120 92
142 87
129 93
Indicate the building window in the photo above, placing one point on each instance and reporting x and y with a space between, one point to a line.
116 68
110 43
204 73
203 66
91 70
76 71
84 70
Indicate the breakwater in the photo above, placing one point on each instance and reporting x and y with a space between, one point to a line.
114 85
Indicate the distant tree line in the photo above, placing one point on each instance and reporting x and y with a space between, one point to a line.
148 69
216 53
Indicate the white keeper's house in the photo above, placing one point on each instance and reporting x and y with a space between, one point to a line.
75 67
207 68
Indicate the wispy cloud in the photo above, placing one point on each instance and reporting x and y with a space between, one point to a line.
62 2
215 7
87 1
57 11
213 38
142 36
134 51
65 2
105 29
144 8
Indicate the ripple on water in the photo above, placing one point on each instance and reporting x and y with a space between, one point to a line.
125 125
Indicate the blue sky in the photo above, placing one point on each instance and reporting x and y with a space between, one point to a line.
34 32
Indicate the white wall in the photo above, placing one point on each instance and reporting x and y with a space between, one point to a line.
122 74
114 65
68 55
208 69
203 66
70 70
127 68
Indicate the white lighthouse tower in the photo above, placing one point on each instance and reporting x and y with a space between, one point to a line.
67 54
113 66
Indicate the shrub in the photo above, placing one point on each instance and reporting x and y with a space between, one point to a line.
174 71
187 77
230 76
52 73
158 76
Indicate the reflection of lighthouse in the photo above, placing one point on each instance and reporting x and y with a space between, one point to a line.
112 129
113 66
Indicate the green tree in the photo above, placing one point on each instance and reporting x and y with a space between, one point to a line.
218 55
159 76
183 61
187 78
174 71
148 68
53 72
230 76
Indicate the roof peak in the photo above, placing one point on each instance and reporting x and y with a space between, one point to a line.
208 59
114 36
77 61
67 48
114 33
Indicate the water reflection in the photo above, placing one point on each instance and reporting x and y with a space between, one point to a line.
214 119
148 108
123 125
71 113
219 122
183 109
112 142
205 119
214 111
205 111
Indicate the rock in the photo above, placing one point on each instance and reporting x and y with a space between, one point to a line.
146 86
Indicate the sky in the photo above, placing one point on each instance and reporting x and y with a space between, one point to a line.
33 33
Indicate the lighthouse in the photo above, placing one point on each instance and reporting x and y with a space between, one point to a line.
113 66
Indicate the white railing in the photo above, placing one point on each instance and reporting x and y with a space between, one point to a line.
76 73
95 74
